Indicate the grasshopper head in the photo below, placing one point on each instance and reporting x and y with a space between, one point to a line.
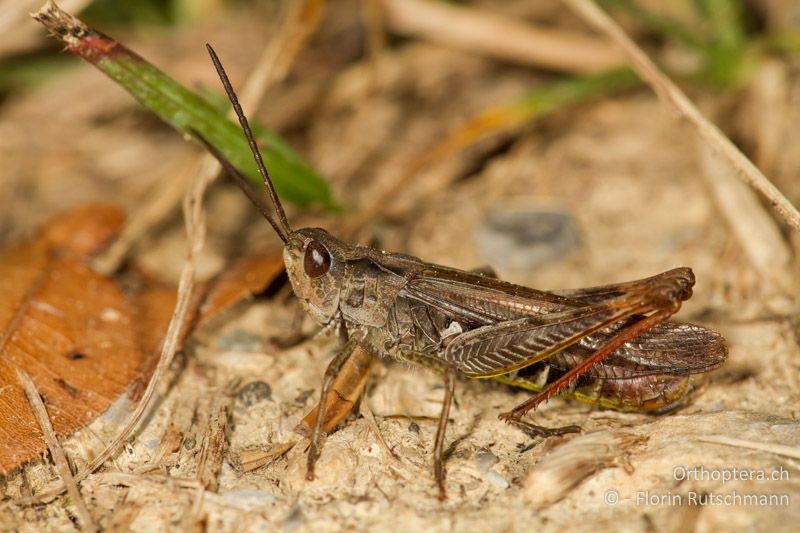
314 259
315 267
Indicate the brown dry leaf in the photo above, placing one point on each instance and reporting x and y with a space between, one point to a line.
83 231
80 338
66 326
245 277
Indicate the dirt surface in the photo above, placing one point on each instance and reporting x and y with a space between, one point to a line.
631 188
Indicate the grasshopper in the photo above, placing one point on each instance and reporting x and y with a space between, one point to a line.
611 345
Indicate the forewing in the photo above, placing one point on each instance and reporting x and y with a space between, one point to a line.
602 293
502 348
511 326
481 300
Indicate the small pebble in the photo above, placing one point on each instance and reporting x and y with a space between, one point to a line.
496 479
484 460
512 239
240 341
254 392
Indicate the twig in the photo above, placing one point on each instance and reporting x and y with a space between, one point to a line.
195 229
194 218
671 94
212 452
778 449
373 424
483 32
56 451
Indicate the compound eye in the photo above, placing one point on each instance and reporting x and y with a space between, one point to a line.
317 260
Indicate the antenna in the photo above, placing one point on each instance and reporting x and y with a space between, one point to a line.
281 227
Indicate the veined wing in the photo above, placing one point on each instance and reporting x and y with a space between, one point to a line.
481 300
489 300
501 348
514 326
668 348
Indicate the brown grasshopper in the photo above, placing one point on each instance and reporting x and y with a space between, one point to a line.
609 345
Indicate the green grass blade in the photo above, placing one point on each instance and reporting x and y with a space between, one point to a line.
563 93
186 111
542 100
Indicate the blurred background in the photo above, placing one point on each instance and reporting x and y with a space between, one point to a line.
467 133
403 106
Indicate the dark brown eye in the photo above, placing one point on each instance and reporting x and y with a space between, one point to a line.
317 260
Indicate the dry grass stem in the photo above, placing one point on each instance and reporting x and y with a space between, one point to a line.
195 230
756 231
366 412
486 33
158 206
670 93
777 449
300 20
249 460
125 479
56 451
